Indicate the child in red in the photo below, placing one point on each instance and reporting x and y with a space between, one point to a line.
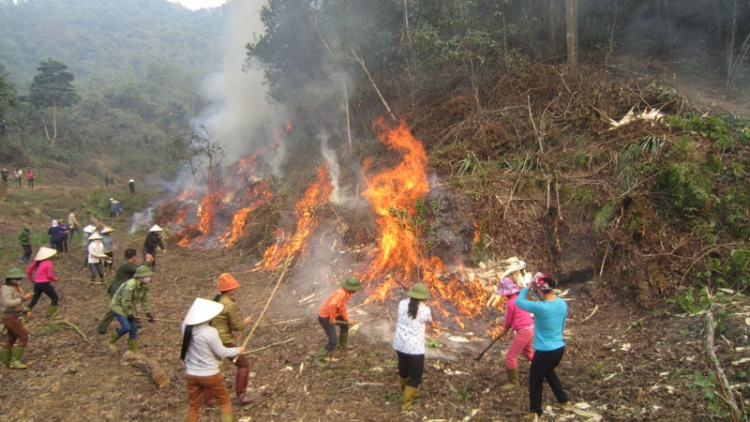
519 320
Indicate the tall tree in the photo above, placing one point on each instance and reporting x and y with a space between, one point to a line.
7 99
51 88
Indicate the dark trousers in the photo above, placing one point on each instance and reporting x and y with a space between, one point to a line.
46 288
96 269
411 367
126 326
26 252
333 339
62 244
543 367
31 183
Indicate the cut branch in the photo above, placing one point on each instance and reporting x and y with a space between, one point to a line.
728 395
367 72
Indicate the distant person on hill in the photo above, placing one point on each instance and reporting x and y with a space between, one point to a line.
125 272
153 241
202 353
74 226
131 293
96 256
12 298
54 235
4 174
30 178
25 239
117 208
109 248
550 315
40 272
62 244
332 313
131 185
230 326
17 174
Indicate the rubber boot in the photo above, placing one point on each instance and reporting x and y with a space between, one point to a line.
318 361
209 400
15 360
240 386
512 383
407 400
6 358
344 341
112 342
229 417
133 345
403 383
52 312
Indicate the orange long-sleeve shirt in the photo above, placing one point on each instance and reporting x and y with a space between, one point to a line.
335 305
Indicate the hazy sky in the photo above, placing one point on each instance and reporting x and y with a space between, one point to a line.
199 4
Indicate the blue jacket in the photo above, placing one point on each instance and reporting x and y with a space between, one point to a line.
549 321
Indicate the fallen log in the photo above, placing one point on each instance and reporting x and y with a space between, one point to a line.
147 365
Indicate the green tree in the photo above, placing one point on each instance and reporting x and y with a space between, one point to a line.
7 99
51 88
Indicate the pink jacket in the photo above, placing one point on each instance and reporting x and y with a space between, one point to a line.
43 272
515 317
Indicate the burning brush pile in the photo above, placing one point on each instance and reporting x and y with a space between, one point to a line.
221 216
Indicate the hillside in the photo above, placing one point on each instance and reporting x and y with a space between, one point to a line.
622 362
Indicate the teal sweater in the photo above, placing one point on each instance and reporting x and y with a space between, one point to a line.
549 321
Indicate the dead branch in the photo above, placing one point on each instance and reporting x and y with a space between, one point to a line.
728 395
270 298
591 314
150 366
533 125
247 352
377 91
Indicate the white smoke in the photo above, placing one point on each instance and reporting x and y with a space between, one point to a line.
238 97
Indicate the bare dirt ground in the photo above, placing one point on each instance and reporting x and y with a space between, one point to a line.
626 365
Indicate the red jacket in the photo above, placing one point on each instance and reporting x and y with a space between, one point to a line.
335 305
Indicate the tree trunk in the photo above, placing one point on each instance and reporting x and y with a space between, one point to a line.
571 25
552 25
54 125
147 365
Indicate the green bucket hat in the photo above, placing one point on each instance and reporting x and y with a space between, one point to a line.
15 273
418 291
142 271
352 284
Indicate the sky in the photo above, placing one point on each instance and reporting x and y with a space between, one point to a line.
199 4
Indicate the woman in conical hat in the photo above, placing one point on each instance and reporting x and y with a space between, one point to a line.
153 241
40 272
202 352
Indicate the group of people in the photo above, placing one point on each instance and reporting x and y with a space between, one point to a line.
129 288
18 175
212 328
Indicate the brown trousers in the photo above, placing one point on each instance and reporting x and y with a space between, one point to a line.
214 384
16 331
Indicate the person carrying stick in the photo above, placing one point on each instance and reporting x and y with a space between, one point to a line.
12 298
520 321
202 352
229 327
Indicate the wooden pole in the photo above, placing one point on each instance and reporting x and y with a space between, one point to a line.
263 312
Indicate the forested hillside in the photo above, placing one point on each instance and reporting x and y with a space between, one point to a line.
604 142
106 39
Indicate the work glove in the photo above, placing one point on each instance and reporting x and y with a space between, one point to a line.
131 318
150 317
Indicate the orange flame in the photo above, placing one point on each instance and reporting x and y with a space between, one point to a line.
307 221
401 261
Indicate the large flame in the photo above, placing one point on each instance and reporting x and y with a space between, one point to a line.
401 259
308 220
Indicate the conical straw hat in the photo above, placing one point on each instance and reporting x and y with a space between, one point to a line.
155 228
95 236
44 253
203 310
